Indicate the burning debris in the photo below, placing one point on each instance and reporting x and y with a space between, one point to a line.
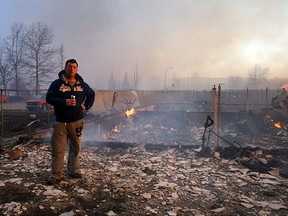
130 112
134 180
276 124
152 131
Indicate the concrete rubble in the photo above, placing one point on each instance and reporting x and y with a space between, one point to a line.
137 181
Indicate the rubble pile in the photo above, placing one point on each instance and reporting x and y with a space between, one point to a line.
138 181
149 168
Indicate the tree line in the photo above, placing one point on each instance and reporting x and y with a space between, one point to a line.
28 58
257 78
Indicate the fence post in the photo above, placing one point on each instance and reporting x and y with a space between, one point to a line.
215 113
219 109
48 114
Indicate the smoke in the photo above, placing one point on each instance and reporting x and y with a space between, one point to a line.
209 37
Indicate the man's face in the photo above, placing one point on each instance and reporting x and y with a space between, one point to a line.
71 70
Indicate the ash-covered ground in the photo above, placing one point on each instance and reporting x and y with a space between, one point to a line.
142 168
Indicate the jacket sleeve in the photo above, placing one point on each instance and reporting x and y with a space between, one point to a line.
90 97
51 96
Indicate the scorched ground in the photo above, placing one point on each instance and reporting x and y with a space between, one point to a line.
147 178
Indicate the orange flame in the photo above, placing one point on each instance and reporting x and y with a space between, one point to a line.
130 112
284 86
277 124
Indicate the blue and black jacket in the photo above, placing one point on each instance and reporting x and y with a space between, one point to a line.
60 90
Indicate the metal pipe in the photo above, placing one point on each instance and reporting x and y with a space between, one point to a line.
215 112
219 109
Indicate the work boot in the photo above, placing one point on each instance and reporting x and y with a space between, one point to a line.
53 180
76 175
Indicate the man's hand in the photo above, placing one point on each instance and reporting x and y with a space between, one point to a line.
83 107
70 102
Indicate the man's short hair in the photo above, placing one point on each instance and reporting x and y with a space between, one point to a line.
71 61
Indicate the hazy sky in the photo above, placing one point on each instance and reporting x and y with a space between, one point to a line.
213 38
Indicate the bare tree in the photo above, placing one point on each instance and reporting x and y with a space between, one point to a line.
40 53
61 58
125 83
195 80
5 74
235 82
15 48
112 82
257 76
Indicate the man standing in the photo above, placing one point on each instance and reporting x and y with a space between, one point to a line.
70 96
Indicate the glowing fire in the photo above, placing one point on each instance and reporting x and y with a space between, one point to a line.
130 112
276 124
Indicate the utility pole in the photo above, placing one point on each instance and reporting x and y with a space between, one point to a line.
165 81
136 75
